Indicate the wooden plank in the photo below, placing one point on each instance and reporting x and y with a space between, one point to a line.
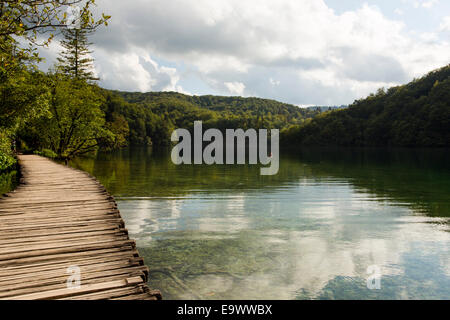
67 230
68 257
79 261
60 217
61 276
109 294
61 293
50 285
14 253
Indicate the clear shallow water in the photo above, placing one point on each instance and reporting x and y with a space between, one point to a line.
311 232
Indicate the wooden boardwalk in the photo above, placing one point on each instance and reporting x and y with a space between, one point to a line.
61 221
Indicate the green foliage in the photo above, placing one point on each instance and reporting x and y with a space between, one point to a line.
47 153
252 111
26 21
29 18
23 98
74 60
8 180
42 111
75 124
416 114
7 159
119 127
153 116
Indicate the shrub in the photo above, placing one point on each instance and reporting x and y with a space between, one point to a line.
7 159
47 153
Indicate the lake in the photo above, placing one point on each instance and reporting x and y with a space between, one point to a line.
311 232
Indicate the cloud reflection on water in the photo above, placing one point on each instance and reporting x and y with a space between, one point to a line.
330 233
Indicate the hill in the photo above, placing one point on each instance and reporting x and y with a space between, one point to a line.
236 105
413 115
152 116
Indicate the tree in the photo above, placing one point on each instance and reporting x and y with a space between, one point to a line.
119 127
76 124
30 19
6 156
23 96
413 115
74 61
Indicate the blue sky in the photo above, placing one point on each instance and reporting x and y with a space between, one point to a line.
419 16
304 52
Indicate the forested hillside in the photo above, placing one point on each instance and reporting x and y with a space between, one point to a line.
152 116
235 105
64 114
413 115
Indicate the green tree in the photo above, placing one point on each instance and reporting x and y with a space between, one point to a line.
119 127
6 156
74 60
29 20
24 25
23 98
76 124
413 115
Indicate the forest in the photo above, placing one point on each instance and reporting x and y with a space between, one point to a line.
63 113
151 117
413 115
416 114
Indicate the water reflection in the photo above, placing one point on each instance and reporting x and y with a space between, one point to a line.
309 232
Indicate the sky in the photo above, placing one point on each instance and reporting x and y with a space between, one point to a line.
304 52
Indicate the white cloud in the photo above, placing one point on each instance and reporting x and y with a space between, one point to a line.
312 54
429 36
274 82
422 3
135 71
445 24
430 3
235 88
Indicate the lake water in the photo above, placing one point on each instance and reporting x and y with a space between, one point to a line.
310 232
